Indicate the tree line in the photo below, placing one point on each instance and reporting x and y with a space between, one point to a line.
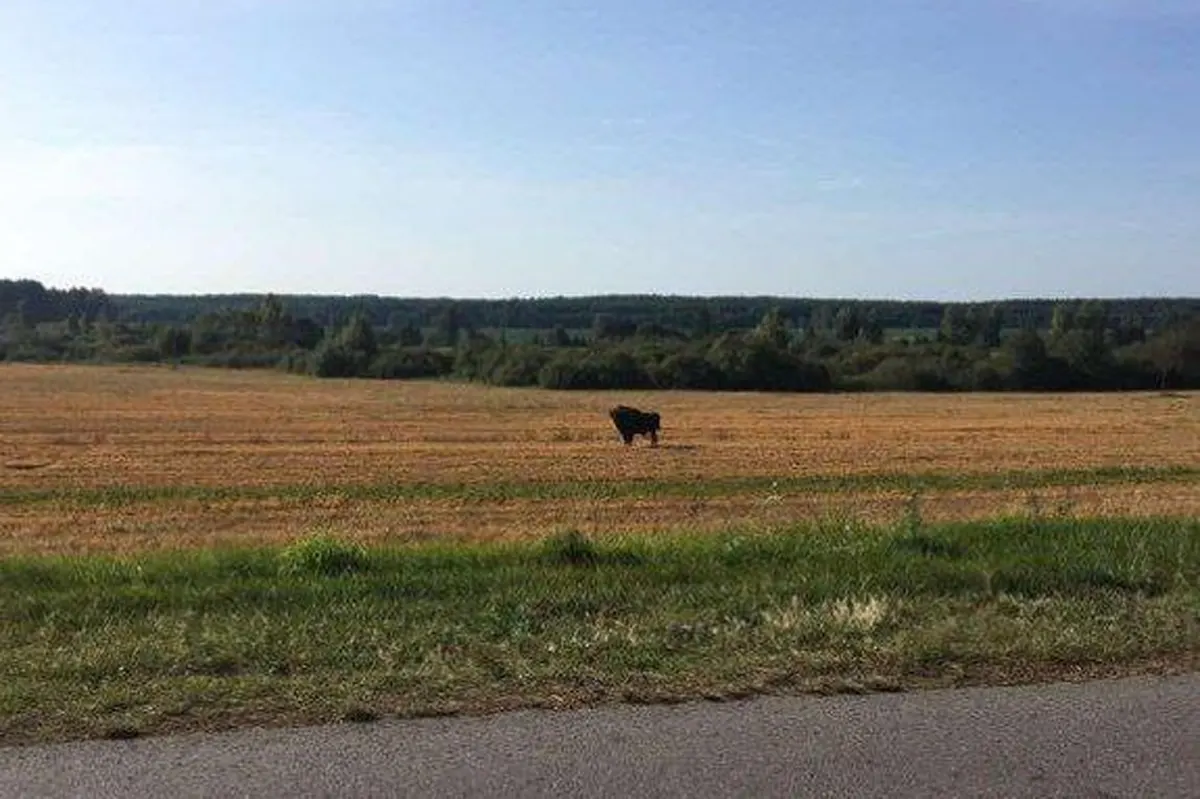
696 315
629 342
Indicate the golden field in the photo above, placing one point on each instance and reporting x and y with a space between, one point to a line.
76 429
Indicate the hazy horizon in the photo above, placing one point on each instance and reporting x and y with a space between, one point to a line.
664 295
934 150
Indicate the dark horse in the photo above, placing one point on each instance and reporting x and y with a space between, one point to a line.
631 422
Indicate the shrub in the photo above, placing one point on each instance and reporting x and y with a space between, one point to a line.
572 548
902 373
335 360
519 366
599 369
324 556
235 359
409 364
137 353
686 370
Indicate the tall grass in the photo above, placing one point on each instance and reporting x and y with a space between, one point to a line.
102 645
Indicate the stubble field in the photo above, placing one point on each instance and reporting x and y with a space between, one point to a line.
105 459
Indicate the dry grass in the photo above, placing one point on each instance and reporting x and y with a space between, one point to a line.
137 527
72 428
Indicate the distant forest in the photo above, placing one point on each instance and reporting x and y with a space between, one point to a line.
627 341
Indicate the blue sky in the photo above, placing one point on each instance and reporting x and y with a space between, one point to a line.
961 149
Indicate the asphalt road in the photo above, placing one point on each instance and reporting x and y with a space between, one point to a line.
1138 737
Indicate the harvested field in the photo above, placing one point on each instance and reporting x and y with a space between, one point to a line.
152 526
281 455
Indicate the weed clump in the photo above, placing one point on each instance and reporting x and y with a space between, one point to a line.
358 714
571 548
324 556
930 546
122 732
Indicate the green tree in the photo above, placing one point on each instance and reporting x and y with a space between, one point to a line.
447 327
687 370
847 323
1081 344
958 325
991 325
1062 320
819 323
174 342
1030 361
358 336
872 328
273 323
559 337
773 329
1175 354
1131 329
609 327
1092 316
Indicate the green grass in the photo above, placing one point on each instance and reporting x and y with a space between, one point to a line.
324 631
118 496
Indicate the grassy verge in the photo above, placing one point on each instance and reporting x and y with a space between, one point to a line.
116 496
323 631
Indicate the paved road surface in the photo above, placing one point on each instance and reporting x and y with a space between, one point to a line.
1138 737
